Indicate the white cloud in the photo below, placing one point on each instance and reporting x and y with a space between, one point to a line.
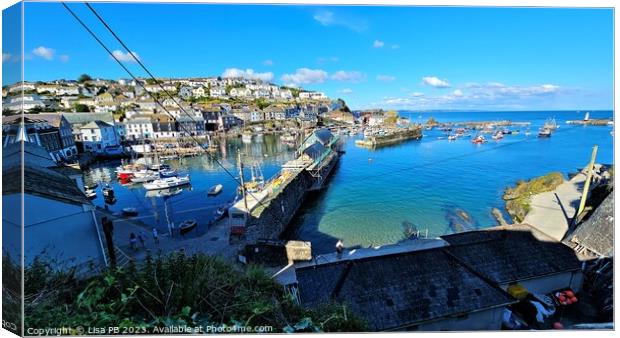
329 18
346 91
64 58
352 76
247 74
435 82
482 96
305 76
386 78
44 52
124 57
268 63
378 44
6 57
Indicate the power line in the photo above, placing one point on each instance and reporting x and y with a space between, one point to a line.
153 96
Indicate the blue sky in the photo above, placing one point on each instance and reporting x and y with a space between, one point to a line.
390 57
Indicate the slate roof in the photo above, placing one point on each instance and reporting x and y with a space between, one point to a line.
42 182
400 290
83 118
41 176
505 256
597 232
96 125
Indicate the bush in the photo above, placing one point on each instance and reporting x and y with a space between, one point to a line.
173 290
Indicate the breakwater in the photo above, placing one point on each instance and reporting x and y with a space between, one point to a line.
391 137
271 219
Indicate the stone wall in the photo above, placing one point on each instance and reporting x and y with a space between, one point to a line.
279 211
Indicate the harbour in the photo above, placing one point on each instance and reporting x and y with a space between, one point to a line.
427 182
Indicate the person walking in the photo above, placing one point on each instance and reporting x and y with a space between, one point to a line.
142 240
133 241
155 236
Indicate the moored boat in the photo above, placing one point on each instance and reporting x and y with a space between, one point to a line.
187 226
544 132
90 194
168 182
478 139
130 211
216 189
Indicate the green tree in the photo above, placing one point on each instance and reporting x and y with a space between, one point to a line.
81 108
391 117
84 78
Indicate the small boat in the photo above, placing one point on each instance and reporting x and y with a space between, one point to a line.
159 166
187 226
164 192
478 140
506 131
452 138
544 132
124 174
90 194
168 182
130 211
108 192
216 189
498 136
221 212
90 186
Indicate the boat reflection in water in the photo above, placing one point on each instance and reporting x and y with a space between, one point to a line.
169 192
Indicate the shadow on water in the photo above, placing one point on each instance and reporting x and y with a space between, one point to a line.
305 224
458 220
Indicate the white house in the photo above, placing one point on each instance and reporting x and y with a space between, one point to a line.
217 92
99 137
138 128
199 91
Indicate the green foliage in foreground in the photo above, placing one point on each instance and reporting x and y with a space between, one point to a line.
518 198
174 290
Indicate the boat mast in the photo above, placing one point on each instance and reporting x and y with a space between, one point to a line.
240 165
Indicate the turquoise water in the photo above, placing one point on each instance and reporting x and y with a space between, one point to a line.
426 182
372 192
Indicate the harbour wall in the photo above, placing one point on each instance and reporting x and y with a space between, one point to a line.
272 220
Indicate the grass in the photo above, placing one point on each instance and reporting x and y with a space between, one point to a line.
518 198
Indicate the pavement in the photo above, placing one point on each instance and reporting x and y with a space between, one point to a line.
215 241
552 212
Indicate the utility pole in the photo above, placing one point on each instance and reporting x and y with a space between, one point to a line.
586 185
240 165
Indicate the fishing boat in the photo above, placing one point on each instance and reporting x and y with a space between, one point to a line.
216 189
506 131
551 125
544 132
187 226
90 194
478 139
130 211
168 182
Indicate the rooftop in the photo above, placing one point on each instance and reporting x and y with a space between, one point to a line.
510 254
400 290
